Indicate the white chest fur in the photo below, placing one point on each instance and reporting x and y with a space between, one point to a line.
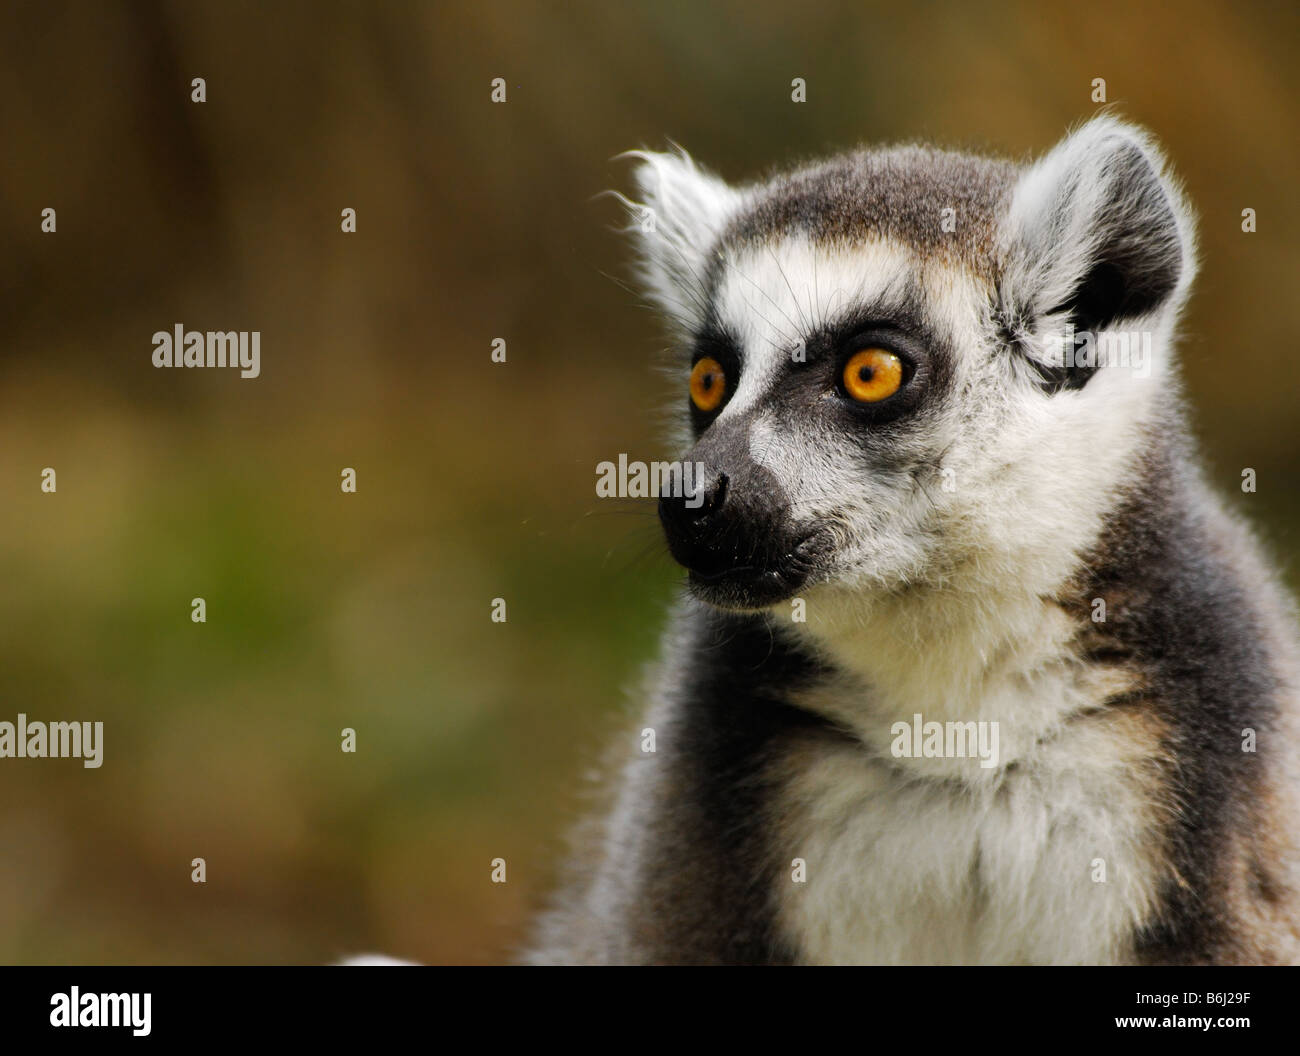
1052 861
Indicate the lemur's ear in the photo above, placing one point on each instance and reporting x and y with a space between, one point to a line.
1096 233
680 213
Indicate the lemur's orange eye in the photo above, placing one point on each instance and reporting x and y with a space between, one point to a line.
708 384
872 375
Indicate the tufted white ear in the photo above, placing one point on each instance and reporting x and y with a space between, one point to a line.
1096 233
680 213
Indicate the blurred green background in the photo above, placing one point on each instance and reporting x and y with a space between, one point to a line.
475 481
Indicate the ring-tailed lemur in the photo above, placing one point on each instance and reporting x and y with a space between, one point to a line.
927 515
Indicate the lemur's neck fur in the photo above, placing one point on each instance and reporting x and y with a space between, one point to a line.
1002 635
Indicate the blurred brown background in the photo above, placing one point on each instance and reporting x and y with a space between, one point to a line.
475 481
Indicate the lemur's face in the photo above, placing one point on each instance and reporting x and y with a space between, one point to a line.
820 427
869 357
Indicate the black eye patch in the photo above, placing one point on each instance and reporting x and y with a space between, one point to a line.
900 329
715 343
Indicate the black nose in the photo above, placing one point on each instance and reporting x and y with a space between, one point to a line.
698 524
690 511
731 529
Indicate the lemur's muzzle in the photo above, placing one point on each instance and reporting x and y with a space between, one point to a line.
733 528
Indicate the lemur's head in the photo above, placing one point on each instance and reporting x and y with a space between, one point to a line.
876 367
